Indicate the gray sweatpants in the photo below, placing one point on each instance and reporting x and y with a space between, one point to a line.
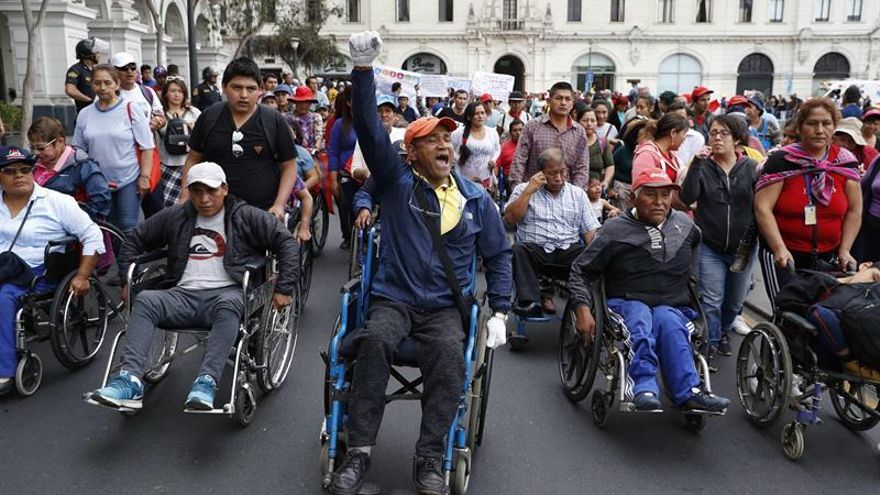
217 309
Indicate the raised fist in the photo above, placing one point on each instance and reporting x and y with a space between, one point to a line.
364 48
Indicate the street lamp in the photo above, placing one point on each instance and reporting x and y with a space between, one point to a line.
191 42
294 44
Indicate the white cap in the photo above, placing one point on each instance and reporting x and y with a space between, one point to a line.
207 173
121 59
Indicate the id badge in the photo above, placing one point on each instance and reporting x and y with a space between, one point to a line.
810 215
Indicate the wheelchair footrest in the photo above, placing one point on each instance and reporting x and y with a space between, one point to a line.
701 412
631 408
225 410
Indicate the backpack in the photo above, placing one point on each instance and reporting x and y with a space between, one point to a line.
176 136
858 306
267 121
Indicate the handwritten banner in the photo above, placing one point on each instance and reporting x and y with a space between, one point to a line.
434 85
497 85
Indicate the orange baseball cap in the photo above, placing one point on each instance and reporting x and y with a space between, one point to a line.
426 125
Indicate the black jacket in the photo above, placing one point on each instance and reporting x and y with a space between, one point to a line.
639 262
725 202
249 233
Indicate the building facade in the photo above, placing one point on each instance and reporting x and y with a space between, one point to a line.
776 46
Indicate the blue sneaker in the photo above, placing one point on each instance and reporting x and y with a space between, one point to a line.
647 401
124 390
201 395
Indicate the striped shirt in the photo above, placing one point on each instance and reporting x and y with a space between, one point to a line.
555 222
540 134
54 215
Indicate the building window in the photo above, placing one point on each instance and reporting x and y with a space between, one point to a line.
617 10
854 10
823 10
679 73
704 11
402 10
776 8
445 10
353 11
666 11
574 10
745 10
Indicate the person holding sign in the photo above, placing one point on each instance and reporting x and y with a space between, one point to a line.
477 147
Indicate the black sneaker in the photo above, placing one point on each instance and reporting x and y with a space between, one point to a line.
428 476
710 358
345 245
647 401
349 478
703 401
724 345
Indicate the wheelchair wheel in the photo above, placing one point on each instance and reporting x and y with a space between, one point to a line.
28 374
695 422
107 267
482 379
763 374
306 267
245 405
79 322
846 399
320 224
276 343
462 474
599 405
578 362
163 347
793 440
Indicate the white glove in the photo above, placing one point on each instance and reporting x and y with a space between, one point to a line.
497 332
364 48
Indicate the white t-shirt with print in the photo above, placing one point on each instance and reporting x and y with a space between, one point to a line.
207 247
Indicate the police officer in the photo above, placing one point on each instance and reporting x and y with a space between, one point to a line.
78 84
207 93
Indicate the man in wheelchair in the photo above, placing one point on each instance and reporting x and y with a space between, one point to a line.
646 257
209 239
411 292
552 217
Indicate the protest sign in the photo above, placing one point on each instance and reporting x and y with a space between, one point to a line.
434 85
497 85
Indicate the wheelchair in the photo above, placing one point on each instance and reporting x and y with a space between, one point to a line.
306 255
362 242
466 432
75 325
555 282
321 211
263 352
777 367
606 356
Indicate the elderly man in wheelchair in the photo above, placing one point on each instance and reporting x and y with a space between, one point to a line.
646 257
210 242
554 223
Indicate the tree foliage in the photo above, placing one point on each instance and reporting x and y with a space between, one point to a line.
243 19
303 23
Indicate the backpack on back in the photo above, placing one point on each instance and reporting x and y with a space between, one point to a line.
176 136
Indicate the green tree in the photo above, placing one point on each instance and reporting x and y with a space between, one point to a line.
300 26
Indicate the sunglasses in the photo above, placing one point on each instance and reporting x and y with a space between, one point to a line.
40 147
128 68
237 150
13 171
174 78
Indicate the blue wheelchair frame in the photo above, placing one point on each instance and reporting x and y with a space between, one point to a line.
458 438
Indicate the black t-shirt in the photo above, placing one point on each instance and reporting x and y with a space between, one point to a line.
80 76
449 112
254 175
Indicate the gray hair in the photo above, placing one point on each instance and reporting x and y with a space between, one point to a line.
551 155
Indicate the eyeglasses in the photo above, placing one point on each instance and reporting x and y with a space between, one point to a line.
40 147
174 78
714 134
237 150
13 171
128 68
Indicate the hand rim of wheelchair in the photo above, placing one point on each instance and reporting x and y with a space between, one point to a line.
63 306
774 372
272 373
850 411
579 362
319 236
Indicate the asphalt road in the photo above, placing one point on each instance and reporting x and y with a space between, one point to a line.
536 442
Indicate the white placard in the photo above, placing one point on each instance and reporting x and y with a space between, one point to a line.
387 76
434 85
497 85
457 84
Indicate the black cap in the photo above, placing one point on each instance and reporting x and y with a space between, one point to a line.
516 96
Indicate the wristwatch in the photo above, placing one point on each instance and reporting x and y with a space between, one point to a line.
500 314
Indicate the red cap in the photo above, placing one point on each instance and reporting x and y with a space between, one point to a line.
485 97
873 113
425 125
653 177
303 93
700 91
621 100
736 100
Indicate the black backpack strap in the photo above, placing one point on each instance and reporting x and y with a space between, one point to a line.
21 226
433 226
269 123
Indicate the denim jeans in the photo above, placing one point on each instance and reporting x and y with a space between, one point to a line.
125 206
10 303
722 292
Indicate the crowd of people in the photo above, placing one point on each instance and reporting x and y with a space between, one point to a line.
648 192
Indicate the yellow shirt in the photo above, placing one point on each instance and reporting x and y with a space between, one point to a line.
451 203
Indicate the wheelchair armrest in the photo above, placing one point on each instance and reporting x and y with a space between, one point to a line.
799 321
62 241
256 264
350 286
150 256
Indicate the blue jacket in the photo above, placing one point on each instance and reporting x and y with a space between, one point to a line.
409 270
82 173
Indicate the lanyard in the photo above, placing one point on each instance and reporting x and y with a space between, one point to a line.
807 179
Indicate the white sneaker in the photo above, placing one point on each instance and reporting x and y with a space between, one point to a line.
740 326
